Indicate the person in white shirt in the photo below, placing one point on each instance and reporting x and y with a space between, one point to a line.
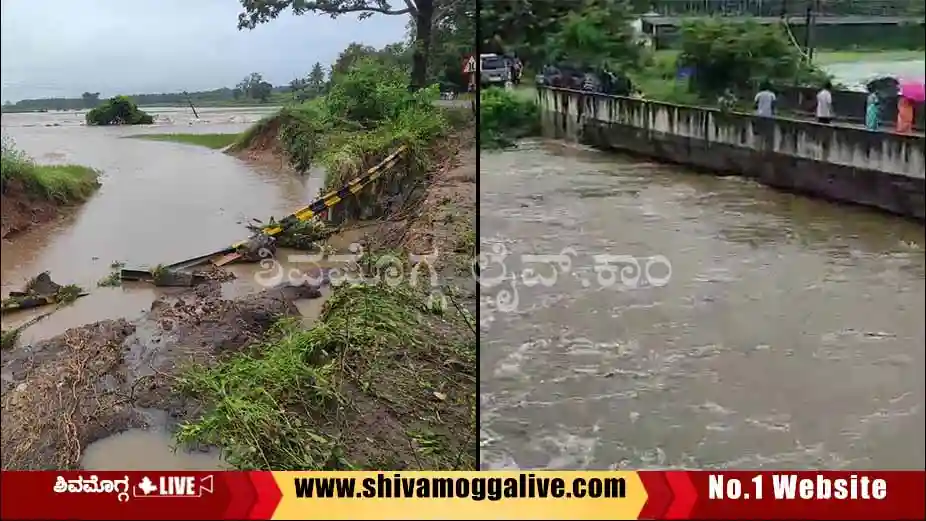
825 104
765 101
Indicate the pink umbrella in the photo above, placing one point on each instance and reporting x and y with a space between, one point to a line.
914 90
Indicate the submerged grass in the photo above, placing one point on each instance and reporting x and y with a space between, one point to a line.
59 183
214 141
382 381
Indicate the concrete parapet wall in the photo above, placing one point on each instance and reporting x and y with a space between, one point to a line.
877 169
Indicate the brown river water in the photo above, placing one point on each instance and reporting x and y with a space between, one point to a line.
776 331
770 331
160 202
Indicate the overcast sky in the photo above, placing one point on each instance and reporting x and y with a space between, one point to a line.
53 48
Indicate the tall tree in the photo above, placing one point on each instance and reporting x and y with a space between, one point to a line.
297 86
90 99
423 12
315 83
254 86
351 54
453 38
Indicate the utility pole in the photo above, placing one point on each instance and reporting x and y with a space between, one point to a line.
811 23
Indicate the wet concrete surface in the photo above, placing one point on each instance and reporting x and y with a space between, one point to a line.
160 202
789 333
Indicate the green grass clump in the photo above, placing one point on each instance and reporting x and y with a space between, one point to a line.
300 399
214 141
9 337
506 116
60 183
367 114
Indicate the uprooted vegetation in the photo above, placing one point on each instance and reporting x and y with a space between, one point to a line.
32 192
36 292
39 289
301 235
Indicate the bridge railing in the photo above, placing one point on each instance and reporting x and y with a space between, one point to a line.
787 7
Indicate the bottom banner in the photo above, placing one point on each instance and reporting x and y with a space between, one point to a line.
463 495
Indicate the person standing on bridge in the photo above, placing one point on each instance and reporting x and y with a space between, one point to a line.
872 109
765 101
825 104
904 115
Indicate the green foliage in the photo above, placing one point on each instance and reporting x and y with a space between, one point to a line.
523 27
60 183
452 38
119 110
421 12
367 113
596 35
287 403
354 53
504 117
253 86
737 55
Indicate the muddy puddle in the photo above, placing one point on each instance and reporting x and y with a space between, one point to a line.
139 449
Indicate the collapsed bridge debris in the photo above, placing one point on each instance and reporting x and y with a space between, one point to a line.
41 291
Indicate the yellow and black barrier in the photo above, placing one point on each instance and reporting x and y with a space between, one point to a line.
331 199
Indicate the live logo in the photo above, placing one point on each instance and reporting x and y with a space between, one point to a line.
175 486
178 486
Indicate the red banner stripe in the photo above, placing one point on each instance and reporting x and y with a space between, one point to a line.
268 495
658 495
684 495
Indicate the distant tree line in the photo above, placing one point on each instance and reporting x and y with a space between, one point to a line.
248 89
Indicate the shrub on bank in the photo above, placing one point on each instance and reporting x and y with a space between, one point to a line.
367 114
504 117
60 183
119 110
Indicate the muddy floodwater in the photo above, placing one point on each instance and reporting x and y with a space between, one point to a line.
160 202
771 330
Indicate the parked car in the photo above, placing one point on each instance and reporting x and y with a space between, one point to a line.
495 71
568 77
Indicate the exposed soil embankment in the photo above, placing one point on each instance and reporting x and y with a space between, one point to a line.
20 210
32 194
66 392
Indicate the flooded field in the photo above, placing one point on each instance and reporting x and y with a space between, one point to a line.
160 202
770 330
